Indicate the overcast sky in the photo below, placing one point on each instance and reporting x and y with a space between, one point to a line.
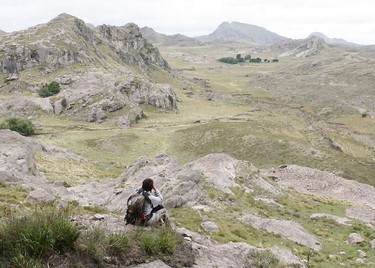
352 20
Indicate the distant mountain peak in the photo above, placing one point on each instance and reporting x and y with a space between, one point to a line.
241 32
334 41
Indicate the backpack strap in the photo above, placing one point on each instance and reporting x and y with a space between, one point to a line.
147 199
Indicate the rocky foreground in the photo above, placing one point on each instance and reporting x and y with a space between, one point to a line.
185 186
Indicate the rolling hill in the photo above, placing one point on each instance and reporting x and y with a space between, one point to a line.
168 40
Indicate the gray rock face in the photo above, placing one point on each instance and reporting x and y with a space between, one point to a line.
25 106
212 254
16 157
40 196
301 48
221 170
128 38
313 181
17 164
139 91
287 257
288 229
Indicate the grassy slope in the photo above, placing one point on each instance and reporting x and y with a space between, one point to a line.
255 124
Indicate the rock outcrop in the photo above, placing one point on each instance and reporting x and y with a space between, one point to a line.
313 181
300 48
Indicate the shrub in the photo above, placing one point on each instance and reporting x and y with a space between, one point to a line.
167 241
265 260
50 89
64 103
23 126
118 243
30 238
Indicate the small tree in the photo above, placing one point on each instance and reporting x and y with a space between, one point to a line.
23 126
247 57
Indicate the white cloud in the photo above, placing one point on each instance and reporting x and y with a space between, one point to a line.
348 19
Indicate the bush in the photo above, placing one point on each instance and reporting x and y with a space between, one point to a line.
23 126
28 239
50 89
64 103
136 247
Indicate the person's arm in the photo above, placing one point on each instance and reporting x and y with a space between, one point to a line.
138 190
157 193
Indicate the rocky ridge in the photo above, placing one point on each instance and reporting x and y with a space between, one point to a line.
168 40
103 72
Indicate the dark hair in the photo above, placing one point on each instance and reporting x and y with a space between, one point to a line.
147 185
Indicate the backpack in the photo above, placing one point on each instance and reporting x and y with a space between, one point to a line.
135 211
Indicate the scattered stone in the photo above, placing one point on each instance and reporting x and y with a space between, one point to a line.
287 257
342 253
371 226
361 253
153 264
210 226
98 217
360 261
372 244
12 77
40 196
355 239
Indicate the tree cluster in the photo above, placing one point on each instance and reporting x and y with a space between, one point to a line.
247 58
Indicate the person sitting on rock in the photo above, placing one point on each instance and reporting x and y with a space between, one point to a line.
154 210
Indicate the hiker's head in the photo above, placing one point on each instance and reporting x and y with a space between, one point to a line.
147 184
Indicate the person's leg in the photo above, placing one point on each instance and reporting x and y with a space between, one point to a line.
158 217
